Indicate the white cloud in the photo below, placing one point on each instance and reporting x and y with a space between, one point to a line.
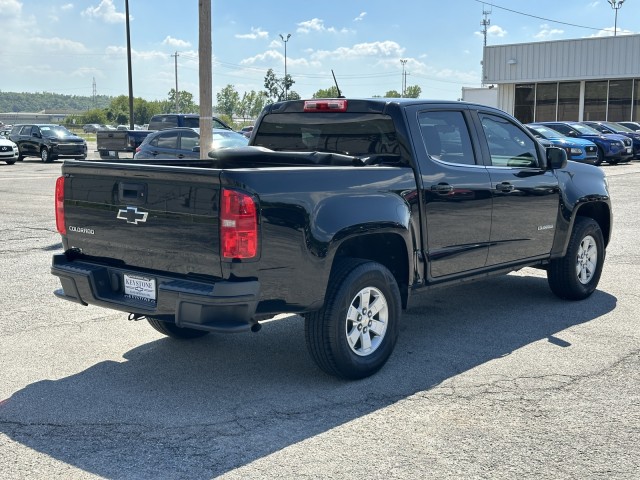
67 6
10 8
175 42
317 25
608 32
255 34
546 32
272 57
373 49
360 17
135 54
496 31
56 44
106 11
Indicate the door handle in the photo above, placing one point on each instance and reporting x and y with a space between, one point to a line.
441 188
504 187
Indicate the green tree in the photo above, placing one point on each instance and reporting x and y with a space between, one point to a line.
185 102
228 100
392 94
412 91
97 115
331 92
277 88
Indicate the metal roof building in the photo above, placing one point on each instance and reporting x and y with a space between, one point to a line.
581 79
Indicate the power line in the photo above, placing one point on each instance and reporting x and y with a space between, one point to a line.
539 18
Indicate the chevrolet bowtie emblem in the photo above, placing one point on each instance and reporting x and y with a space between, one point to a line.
132 215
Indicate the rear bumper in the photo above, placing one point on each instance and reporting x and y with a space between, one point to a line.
215 306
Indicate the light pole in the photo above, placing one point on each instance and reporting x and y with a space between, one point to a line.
286 85
404 78
616 5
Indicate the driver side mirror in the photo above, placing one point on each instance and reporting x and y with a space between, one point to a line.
556 158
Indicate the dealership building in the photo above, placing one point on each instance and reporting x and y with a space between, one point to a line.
581 79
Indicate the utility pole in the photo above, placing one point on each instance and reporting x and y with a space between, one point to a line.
93 93
286 84
205 48
126 4
404 78
485 23
175 56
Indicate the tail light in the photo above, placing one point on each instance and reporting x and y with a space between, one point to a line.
60 222
238 225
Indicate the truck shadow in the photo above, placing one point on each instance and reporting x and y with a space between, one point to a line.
203 408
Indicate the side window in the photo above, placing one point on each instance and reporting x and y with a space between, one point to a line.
191 122
446 136
169 140
189 140
563 129
509 145
218 124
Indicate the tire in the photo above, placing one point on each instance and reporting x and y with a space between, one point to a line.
576 275
600 157
10 162
44 155
346 338
174 331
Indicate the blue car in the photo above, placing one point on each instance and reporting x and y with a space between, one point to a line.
184 142
612 148
578 149
613 127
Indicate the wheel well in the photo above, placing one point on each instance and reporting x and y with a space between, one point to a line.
601 214
387 249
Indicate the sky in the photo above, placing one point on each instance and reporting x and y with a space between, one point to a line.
64 46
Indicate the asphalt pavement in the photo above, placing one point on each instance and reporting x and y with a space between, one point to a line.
496 379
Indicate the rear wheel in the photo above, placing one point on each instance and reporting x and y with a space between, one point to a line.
576 275
174 331
354 334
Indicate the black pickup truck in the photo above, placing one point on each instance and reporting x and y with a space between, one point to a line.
340 210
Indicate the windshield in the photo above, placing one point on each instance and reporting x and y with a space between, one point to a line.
617 127
584 129
55 130
546 132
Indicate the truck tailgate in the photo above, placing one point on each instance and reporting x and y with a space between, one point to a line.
117 140
151 217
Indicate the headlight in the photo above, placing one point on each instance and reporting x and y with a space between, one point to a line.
576 151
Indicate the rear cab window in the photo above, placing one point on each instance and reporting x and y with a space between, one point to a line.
363 135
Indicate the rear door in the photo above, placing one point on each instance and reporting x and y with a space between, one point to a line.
456 190
150 217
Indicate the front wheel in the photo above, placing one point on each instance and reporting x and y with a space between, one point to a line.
45 155
174 331
354 334
600 157
576 275
10 162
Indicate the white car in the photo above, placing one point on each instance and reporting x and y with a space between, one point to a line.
8 150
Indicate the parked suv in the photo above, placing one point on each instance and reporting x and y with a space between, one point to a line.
612 127
578 149
612 148
47 141
174 120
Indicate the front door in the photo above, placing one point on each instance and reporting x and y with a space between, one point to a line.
526 196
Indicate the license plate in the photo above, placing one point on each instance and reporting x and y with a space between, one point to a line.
140 288
628 149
